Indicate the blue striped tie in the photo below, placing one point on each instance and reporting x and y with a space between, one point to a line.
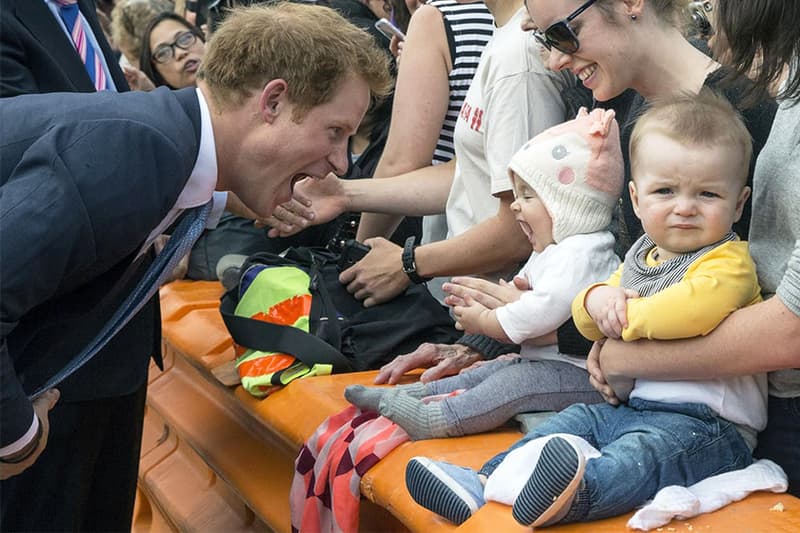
183 238
70 14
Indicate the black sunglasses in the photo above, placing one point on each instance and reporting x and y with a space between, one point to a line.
560 35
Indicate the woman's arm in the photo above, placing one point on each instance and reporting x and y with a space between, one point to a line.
758 338
420 192
421 97
494 244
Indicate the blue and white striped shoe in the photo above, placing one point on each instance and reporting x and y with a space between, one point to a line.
451 491
549 492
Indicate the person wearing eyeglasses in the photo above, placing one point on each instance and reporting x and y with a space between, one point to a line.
172 51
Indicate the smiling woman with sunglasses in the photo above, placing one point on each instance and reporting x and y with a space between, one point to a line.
172 50
615 45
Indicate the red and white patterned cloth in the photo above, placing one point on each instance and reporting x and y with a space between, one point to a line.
326 490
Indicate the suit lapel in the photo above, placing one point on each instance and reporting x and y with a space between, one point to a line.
36 16
39 20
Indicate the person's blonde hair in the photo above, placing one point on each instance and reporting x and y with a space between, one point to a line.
705 119
129 18
313 48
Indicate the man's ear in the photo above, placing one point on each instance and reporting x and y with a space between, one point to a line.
273 99
634 197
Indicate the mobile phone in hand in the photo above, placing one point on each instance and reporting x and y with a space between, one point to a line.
352 252
389 30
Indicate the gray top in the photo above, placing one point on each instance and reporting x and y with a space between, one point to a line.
775 227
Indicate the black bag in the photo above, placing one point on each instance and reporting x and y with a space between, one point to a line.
342 332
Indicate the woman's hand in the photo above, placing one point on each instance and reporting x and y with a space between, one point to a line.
440 360
137 80
314 201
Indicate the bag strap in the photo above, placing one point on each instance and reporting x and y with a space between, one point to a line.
323 318
269 337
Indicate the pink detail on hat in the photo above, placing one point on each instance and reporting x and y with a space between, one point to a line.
566 175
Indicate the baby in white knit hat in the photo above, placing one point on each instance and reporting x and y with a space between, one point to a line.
567 181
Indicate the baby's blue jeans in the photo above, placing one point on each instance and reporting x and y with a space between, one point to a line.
645 446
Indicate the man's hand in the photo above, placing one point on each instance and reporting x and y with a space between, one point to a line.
41 406
313 202
614 391
440 359
608 307
488 294
379 276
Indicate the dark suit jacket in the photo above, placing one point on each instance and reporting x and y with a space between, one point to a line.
71 219
36 56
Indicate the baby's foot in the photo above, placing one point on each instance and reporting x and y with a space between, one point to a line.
451 491
547 496
366 398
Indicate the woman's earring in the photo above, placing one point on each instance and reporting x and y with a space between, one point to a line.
633 17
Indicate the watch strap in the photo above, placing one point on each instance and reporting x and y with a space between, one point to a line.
409 261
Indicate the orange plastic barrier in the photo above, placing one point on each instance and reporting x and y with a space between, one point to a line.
216 459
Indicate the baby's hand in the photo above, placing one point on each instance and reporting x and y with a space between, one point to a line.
470 316
608 307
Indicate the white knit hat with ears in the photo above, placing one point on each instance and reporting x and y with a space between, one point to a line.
576 170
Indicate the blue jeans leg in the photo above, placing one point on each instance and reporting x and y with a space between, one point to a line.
645 446
650 446
577 419
779 441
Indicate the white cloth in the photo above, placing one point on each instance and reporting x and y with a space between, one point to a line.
510 476
709 495
556 275
512 98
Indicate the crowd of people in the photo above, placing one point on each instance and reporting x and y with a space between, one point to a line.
602 191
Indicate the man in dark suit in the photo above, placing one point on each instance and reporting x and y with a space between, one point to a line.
37 55
268 110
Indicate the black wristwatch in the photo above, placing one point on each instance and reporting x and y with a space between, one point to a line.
409 264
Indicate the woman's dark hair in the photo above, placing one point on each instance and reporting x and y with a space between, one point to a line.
146 63
400 13
760 38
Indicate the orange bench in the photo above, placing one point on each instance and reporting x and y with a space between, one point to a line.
216 459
